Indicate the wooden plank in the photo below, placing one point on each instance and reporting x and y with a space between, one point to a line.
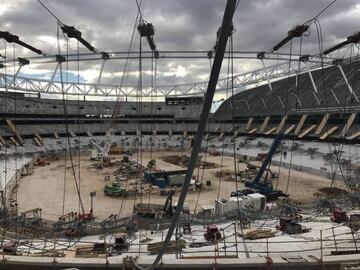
70 253
353 136
264 124
328 133
281 125
236 133
88 132
221 136
289 129
252 131
306 131
300 124
56 135
348 124
217 128
185 133
270 130
322 123
72 133
249 123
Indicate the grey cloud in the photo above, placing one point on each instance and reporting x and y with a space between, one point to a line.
180 25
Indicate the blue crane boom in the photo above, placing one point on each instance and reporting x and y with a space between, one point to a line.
274 146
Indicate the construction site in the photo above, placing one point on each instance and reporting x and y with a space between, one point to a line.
251 170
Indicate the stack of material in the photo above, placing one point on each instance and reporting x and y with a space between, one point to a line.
173 246
253 234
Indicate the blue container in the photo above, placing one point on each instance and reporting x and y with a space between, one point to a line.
148 176
160 182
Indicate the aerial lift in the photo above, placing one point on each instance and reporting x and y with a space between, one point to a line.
263 187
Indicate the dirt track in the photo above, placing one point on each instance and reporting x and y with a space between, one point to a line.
45 188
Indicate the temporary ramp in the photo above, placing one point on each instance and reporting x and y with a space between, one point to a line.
348 124
328 133
300 124
249 123
13 129
289 129
306 131
281 125
264 124
322 124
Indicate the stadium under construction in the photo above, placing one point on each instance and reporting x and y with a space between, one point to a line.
251 170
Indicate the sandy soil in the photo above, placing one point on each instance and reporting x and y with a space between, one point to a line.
45 188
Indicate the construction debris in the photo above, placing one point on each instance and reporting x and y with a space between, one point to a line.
253 234
183 161
173 246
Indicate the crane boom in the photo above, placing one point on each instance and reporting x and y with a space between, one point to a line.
274 146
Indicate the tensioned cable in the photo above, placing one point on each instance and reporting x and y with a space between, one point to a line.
66 124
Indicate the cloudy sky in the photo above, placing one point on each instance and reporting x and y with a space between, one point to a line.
179 25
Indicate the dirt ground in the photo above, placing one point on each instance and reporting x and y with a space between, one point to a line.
45 188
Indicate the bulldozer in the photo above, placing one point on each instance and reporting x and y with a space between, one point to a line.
114 190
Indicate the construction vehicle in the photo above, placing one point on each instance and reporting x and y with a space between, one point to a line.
86 216
115 150
65 221
339 216
9 248
41 162
114 190
121 242
30 217
76 229
212 233
354 222
102 153
261 184
290 224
